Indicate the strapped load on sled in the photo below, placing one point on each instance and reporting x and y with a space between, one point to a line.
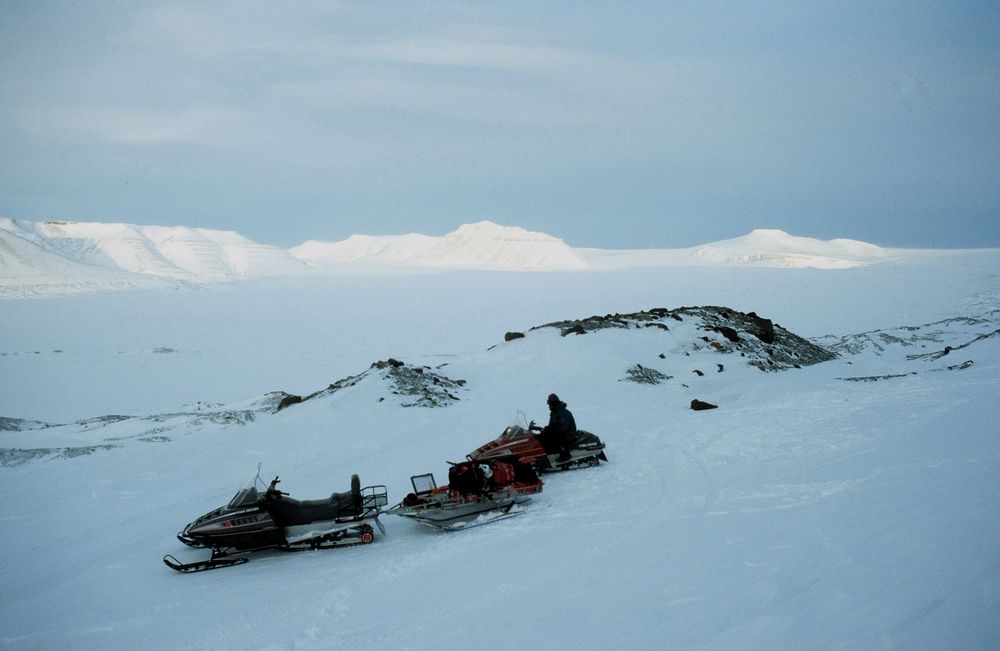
477 493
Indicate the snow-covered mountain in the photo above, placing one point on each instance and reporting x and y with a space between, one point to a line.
776 248
483 245
52 258
68 257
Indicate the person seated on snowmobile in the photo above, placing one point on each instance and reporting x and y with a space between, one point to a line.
561 430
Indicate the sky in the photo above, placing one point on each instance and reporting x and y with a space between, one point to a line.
611 125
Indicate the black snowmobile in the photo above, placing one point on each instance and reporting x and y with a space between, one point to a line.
254 521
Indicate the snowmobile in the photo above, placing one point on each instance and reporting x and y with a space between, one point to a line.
477 494
529 446
254 520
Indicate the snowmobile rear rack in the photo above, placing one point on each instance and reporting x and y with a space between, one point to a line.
373 498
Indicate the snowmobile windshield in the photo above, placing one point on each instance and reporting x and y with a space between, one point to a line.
247 495
512 432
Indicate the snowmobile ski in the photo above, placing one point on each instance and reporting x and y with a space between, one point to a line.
201 566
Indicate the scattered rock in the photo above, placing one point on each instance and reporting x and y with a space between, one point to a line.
19 424
699 405
948 349
721 368
698 373
643 375
425 387
11 457
876 378
511 336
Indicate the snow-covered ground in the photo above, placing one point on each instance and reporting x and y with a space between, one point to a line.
853 503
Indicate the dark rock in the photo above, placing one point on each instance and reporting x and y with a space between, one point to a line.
721 368
730 333
698 373
288 400
511 336
763 329
699 405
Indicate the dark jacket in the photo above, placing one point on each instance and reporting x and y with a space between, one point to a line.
562 427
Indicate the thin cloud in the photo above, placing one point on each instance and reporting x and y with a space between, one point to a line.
130 126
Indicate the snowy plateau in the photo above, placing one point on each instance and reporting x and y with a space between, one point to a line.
844 494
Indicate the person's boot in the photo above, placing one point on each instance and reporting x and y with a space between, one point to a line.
564 455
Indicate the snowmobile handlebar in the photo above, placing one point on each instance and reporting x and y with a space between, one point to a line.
272 490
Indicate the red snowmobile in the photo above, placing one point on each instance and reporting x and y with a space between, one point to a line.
527 446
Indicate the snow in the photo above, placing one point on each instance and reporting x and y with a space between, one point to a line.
847 504
59 258
483 245
775 248
396 250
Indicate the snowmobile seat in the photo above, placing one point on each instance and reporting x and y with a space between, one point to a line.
583 438
289 512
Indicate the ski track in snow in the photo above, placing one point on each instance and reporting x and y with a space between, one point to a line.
806 512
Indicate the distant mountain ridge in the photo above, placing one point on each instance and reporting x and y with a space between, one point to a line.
66 257
776 248
179 252
483 245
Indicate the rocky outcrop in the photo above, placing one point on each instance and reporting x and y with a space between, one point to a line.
418 386
19 424
760 341
960 331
